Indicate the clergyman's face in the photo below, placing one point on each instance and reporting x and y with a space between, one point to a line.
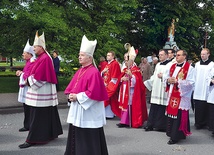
38 49
26 55
129 63
109 56
84 59
170 54
126 56
162 56
180 57
204 55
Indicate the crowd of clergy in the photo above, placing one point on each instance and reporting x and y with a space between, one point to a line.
168 85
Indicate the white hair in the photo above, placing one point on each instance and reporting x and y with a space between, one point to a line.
155 58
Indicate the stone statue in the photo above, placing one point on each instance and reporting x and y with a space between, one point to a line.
171 31
170 43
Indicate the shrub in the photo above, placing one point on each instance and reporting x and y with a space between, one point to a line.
15 68
2 69
11 84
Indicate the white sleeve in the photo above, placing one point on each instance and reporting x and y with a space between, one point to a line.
114 80
210 77
21 79
84 100
133 81
149 83
35 84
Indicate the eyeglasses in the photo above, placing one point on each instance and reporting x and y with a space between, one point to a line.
179 55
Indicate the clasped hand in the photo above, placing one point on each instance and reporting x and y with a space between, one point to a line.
72 97
172 80
129 72
18 72
105 70
124 78
160 75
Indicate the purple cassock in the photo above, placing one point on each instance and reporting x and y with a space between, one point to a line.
44 72
82 83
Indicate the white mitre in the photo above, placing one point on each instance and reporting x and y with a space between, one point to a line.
28 48
132 53
88 46
39 40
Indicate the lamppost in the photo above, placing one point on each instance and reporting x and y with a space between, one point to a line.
207 28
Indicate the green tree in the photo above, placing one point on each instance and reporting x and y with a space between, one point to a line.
8 38
154 17
143 23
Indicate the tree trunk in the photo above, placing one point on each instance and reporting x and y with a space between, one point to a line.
11 62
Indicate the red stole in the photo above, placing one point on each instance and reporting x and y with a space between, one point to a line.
138 109
123 104
175 98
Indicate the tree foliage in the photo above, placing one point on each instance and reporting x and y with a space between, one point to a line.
143 23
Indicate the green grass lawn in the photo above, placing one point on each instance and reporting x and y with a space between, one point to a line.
7 73
15 63
11 84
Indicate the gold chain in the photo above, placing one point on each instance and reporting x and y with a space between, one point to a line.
80 75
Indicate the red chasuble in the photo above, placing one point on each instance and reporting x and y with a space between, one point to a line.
174 101
138 109
112 89
102 65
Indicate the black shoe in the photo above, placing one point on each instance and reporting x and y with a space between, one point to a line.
25 145
161 130
170 142
122 125
23 129
148 128
109 117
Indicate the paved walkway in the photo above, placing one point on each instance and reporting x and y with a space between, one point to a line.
9 102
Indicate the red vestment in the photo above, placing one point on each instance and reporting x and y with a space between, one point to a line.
112 72
138 109
175 98
102 65
174 101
